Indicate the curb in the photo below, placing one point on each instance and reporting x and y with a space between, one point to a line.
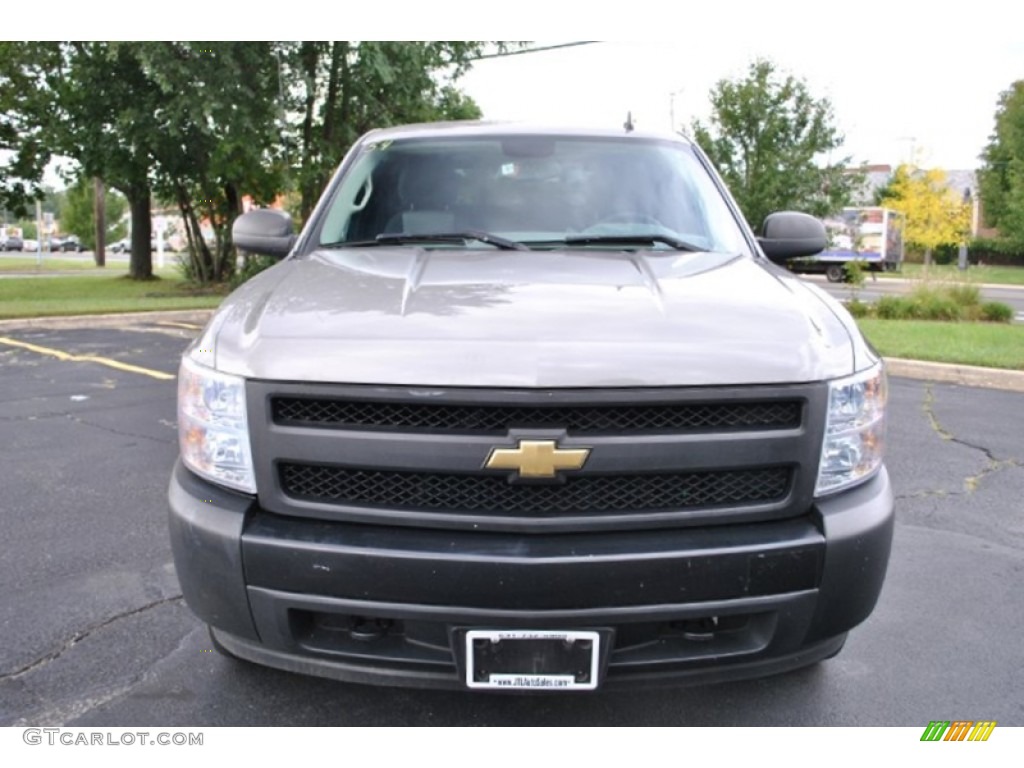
964 375
196 316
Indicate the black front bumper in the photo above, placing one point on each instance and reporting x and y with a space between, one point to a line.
390 605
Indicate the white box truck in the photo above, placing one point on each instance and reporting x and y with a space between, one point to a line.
873 236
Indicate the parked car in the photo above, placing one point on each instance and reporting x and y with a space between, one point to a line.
12 243
30 245
120 246
71 243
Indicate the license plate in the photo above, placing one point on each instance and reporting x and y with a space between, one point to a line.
515 659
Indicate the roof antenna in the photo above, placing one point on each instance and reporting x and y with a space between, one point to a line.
628 125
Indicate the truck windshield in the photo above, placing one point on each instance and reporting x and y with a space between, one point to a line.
539 191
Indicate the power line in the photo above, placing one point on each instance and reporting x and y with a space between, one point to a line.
521 51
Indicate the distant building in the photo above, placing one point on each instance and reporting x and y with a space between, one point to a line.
875 177
960 181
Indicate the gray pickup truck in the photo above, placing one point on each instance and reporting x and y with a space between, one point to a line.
530 408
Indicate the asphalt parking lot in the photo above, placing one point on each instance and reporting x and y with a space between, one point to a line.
93 630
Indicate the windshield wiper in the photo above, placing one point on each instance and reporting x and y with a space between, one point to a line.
669 240
462 237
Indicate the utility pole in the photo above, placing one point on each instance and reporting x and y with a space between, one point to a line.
672 109
39 234
962 251
100 211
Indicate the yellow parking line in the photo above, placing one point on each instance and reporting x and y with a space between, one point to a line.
87 359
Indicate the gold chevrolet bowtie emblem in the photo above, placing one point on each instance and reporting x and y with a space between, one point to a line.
537 458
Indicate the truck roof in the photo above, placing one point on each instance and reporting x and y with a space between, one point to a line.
506 128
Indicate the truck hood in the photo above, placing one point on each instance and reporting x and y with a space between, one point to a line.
575 318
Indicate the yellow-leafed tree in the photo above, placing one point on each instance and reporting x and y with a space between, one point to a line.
935 214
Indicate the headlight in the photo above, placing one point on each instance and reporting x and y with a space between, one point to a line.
854 430
212 427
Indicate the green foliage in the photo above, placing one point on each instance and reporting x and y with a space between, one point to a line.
854 274
894 308
92 102
858 308
1001 177
253 265
221 140
765 136
203 124
996 312
936 306
24 150
935 216
964 294
950 302
998 246
77 213
343 89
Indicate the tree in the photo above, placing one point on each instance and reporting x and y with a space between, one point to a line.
22 141
76 213
91 102
221 139
204 124
108 119
343 89
935 215
766 135
1001 177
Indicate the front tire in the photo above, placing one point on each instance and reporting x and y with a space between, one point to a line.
835 273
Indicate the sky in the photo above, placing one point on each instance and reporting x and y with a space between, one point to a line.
903 88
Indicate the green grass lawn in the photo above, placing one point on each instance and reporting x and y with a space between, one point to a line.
949 272
57 264
98 294
992 345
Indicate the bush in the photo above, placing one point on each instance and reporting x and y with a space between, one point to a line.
938 307
996 312
895 308
853 272
252 265
858 308
936 301
186 267
965 295
994 251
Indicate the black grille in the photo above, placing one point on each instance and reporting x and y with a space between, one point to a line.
483 494
616 419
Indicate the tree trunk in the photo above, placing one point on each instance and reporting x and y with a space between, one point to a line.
309 57
927 257
100 219
234 210
199 254
140 267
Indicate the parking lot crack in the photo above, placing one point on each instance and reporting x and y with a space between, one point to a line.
82 635
928 494
993 463
122 433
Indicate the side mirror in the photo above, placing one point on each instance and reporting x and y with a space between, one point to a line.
789 235
265 231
